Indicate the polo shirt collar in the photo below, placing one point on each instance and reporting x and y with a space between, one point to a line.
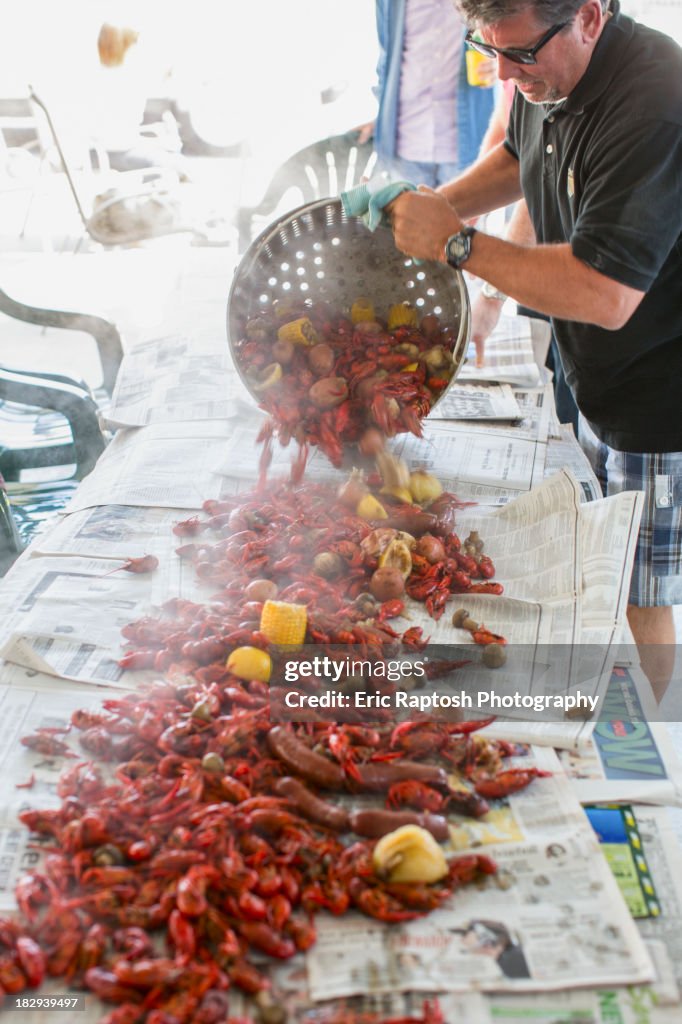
602 67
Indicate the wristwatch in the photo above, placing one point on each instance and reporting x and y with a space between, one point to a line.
458 247
489 291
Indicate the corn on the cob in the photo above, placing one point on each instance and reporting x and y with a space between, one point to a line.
402 314
362 309
250 663
284 623
298 332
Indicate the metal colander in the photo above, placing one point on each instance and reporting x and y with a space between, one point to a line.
317 253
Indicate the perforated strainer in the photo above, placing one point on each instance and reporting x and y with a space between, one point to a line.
317 253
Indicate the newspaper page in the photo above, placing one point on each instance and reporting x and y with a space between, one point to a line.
565 452
609 541
662 933
169 465
552 918
542 611
509 356
241 453
112 531
173 379
477 402
538 419
628 756
127 531
490 465
534 420
64 616
22 711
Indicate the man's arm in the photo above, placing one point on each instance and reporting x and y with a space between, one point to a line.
552 280
493 181
485 311
548 278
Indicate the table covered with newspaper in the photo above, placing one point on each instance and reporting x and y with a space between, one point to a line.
582 921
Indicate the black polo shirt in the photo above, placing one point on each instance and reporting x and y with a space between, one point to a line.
603 171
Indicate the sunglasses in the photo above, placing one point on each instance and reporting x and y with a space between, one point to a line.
516 56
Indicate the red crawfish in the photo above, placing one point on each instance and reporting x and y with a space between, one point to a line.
48 745
189 527
509 780
414 794
141 565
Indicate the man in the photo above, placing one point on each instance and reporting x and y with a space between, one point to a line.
594 146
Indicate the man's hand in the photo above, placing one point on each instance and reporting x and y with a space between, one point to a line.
422 223
484 316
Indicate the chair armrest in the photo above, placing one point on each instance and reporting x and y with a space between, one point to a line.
71 400
106 336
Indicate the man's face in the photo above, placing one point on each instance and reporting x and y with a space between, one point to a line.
560 65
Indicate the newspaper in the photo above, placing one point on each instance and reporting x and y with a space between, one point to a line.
538 418
241 453
63 616
628 756
652 1004
490 465
22 711
477 402
173 379
167 465
547 586
565 452
509 356
112 531
552 918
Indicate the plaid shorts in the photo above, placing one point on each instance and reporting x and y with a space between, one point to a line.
657 572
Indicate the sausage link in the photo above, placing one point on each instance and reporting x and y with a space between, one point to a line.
304 762
378 775
372 824
311 806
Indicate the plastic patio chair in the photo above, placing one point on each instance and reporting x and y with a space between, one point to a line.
50 434
324 168
140 206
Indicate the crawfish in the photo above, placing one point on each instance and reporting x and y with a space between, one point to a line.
144 564
43 743
509 780
414 794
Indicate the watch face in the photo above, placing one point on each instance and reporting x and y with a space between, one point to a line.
457 249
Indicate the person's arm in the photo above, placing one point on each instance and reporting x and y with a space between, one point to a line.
497 128
485 311
488 184
548 278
